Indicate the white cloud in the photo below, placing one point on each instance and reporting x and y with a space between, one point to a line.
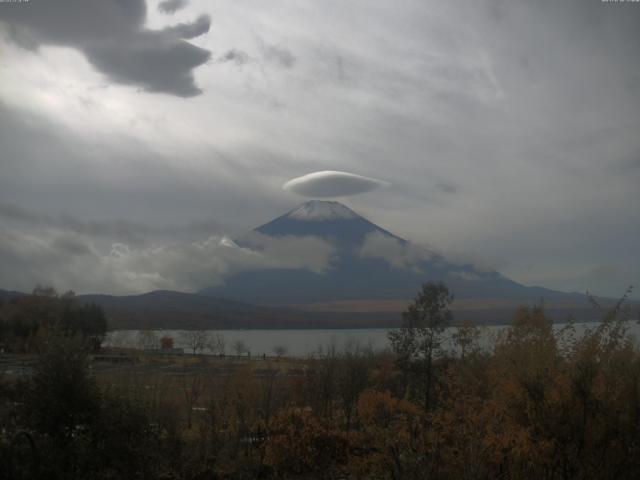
466 275
331 183
394 251
72 261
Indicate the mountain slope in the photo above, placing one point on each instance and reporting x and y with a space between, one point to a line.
7 295
165 309
169 309
369 262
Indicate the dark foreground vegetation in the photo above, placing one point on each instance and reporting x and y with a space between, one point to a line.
538 405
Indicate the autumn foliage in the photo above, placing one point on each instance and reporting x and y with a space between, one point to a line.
542 402
301 443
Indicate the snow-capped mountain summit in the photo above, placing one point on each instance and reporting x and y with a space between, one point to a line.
318 210
331 221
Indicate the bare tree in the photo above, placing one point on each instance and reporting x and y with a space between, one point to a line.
239 346
193 388
279 350
269 393
147 340
118 339
195 340
217 344
353 376
321 380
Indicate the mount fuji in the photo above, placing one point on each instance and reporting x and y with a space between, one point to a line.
361 276
367 263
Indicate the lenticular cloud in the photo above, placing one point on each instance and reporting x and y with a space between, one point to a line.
330 183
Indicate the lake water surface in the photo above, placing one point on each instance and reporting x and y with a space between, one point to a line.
304 342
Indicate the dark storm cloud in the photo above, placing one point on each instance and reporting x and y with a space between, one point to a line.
171 6
112 36
191 30
153 60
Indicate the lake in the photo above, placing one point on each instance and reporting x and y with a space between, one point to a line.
304 342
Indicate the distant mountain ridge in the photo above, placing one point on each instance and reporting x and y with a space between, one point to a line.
166 309
163 309
6 295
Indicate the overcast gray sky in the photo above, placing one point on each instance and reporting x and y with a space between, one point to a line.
135 138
